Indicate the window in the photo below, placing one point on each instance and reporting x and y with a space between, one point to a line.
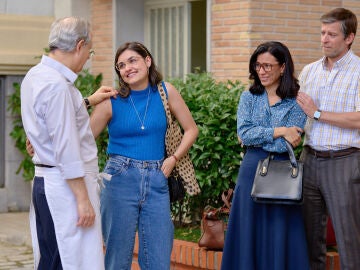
175 33
173 30
2 131
7 147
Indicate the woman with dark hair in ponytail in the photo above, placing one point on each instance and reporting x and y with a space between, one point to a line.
134 195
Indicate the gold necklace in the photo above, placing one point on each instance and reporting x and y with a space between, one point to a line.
146 109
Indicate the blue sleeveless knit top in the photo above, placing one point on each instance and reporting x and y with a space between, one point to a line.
126 138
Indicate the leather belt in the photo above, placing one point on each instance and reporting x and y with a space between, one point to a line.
332 153
44 166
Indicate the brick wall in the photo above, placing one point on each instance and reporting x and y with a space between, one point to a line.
188 256
102 27
230 39
238 26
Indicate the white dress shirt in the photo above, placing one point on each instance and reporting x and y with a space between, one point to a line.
55 119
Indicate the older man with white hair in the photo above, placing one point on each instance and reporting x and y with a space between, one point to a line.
64 214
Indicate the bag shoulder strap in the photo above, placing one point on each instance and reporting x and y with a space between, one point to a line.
164 100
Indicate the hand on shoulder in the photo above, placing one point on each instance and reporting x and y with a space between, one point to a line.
103 93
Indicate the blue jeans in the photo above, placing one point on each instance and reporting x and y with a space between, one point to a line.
136 197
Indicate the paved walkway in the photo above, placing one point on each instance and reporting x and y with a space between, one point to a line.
15 242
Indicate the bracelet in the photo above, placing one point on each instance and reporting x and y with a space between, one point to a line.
176 159
87 103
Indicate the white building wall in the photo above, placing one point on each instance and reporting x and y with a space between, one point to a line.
27 7
24 28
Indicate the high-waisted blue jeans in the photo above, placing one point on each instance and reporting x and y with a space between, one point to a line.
136 197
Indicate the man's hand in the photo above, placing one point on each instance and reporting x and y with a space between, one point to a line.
29 148
307 104
104 92
86 213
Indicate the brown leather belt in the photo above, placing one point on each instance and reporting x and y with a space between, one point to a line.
331 154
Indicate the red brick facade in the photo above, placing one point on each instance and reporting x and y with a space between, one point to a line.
102 25
237 27
188 256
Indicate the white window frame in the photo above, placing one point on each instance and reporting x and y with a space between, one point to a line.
3 108
166 63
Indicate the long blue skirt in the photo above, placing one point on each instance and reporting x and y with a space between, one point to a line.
262 236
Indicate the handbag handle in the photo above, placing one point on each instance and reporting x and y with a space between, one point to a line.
165 103
293 162
226 197
291 154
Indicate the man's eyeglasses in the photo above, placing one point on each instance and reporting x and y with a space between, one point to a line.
266 66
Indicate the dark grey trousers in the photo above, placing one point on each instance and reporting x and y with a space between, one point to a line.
332 187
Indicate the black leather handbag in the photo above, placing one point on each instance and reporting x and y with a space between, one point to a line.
279 181
176 187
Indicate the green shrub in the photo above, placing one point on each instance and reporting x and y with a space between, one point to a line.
216 152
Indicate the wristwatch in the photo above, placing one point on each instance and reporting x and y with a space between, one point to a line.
87 103
317 114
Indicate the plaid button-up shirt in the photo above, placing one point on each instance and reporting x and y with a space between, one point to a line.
335 90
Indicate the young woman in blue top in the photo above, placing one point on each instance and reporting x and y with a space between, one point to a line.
264 236
135 196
